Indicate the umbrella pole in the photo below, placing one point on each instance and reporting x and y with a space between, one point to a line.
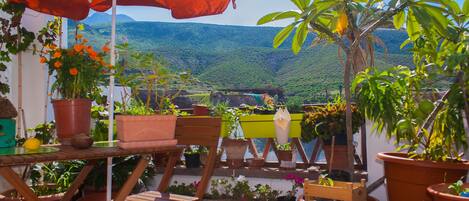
111 101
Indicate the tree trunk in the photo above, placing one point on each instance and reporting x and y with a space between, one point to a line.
348 113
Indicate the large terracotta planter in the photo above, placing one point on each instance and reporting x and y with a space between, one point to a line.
408 179
235 151
145 128
72 117
340 161
440 192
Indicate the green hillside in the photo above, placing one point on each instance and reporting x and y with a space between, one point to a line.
243 57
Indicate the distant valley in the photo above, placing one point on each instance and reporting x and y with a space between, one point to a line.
243 57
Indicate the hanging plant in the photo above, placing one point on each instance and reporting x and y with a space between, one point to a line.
13 38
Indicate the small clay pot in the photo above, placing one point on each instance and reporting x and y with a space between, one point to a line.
81 141
256 163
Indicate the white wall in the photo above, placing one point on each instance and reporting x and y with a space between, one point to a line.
376 144
34 79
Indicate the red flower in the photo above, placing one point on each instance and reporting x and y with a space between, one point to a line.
73 71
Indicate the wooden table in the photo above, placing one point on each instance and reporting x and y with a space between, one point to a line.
91 155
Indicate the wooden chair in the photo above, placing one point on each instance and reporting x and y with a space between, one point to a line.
204 131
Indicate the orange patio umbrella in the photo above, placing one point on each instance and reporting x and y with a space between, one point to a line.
79 9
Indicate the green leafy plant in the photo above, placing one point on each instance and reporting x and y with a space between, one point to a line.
457 188
324 180
183 189
264 192
428 123
284 147
230 118
328 120
44 132
145 72
13 38
195 150
55 177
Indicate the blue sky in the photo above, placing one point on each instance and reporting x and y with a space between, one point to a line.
246 14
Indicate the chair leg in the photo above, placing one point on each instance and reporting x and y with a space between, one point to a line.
168 171
208 172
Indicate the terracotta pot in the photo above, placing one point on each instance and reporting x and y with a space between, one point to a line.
200 110
369 198
408 179
256 163
145 128
96 195
235 151
72 117
284 155
340 156
440 192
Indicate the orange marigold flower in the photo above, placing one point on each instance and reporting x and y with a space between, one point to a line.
73 71
51 46
78 47
57 64
84 40
105 49
42 60
57 54
79 36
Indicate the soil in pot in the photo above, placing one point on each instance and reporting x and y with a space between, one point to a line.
235 151
286 198
440 192
408 179
72 117
192 160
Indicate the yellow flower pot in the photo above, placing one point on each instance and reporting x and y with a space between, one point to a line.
262 126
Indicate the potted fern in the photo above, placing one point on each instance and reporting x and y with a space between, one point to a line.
327 123
151 120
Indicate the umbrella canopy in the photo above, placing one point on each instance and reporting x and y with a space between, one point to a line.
79 9
73 9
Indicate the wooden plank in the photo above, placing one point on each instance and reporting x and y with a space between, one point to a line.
79 180
19 185
252 148
154 195
208 172
301 149
168 171
133 178
363 146
269 143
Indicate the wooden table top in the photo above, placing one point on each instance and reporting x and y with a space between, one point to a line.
69 153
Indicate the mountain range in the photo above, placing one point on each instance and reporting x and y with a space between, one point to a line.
225 56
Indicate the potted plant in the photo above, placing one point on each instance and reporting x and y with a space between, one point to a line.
326 122
78 71
427 123
192 156
234 143
457 191
285 156
141 123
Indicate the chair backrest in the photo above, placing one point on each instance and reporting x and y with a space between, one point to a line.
203 131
